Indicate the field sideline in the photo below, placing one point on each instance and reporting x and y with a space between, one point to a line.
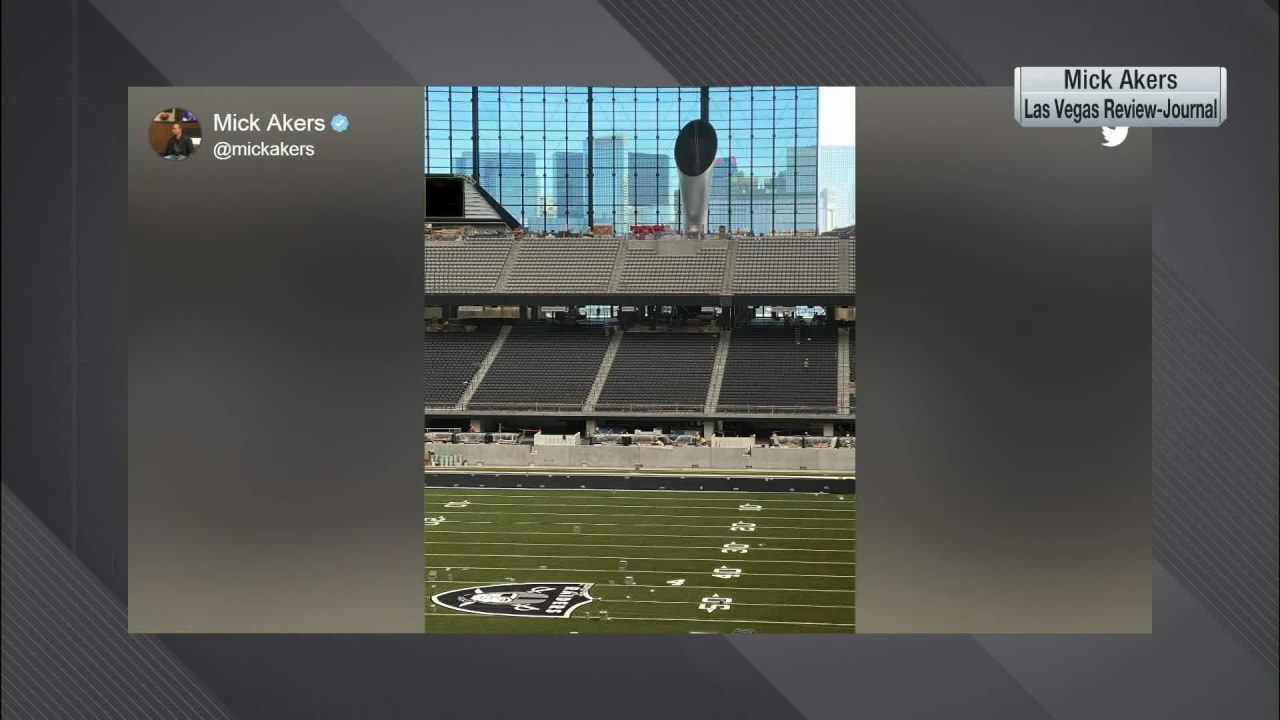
698 561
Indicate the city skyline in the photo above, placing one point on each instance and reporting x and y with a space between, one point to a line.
561 158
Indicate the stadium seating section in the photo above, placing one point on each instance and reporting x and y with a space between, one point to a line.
644 270
451 360
660 370
795 265
766 369
559 266
853 272
769 369
543 366
553 368
471 266
555 265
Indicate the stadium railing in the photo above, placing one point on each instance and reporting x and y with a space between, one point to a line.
644 439
624 407
652 408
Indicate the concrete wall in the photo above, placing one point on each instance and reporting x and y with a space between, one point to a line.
543 439
705 458
647 481
733 442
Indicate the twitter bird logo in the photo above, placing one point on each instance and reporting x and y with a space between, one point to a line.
1113 136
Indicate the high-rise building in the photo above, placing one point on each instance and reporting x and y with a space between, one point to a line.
569 190
511 177
800 168
836 182
721 171
611 188
826 211
650 178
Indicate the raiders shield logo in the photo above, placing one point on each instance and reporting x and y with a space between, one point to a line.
557 600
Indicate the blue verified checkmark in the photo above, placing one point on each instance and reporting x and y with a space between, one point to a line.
339 123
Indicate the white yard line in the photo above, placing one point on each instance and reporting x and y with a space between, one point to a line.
738 557
468 511
734 621
829 519
729 620
593 524
679 507
758 534
642 547
781 496
736 604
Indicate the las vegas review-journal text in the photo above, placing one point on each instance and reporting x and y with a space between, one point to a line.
1110 109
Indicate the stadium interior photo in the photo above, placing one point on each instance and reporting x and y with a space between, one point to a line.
639 365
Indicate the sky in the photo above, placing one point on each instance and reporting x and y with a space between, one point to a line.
837 110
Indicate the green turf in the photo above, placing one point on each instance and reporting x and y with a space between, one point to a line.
797 574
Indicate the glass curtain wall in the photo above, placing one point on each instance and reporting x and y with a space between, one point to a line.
564 158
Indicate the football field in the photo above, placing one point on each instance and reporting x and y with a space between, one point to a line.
513 560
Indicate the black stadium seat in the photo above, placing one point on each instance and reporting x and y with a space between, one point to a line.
450 361
660 370
765 371
543 366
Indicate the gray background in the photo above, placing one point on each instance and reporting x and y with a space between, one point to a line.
1214 350
1003 355
275 460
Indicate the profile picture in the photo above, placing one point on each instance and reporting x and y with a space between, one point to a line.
175 133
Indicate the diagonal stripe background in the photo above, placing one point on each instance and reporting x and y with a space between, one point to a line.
758 42
285 42
1188 667
67 651
1214 464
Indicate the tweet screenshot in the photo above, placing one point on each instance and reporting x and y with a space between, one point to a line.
471 359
